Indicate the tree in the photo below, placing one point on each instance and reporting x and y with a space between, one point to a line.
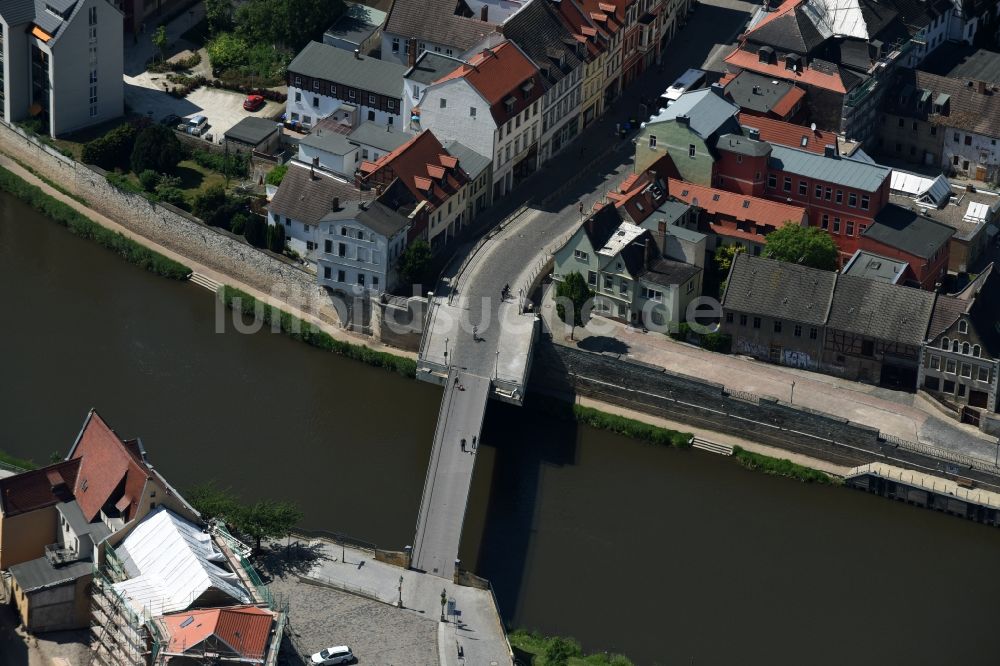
212 502
809 246
559 651
219 15
156 148
114 149
276 238
267 519
293 23
724 255
277 174
160 41
415 262
255 230
208 204
575 289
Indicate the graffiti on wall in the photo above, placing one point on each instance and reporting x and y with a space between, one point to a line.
797 359
751 348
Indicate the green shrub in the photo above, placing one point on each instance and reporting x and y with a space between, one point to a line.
717 342
276 238
171 195
630 427
231 165
306 332
158 148
181 65
681 332
123 183
84 227
14 461
559 651
255 230
277 174
113 150
780 467
149 179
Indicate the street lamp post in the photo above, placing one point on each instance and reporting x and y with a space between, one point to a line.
792 399
446 351
444 600
496 367
400 591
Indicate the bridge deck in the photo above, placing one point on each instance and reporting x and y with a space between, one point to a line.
449 474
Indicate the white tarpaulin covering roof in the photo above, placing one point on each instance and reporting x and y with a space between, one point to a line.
171 563
837 17
976 212
935 191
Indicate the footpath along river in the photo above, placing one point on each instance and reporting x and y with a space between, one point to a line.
673 557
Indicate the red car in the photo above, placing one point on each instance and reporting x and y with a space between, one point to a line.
253 102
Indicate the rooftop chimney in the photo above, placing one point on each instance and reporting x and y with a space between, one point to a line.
683 120
336 203
830 151
357 54
755 134
484 13
981 87
411 51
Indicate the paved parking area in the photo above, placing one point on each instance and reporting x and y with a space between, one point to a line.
145 95
59 648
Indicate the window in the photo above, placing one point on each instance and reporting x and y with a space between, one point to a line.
867 348
739 159
315 85
690 287
787 184
914 126
984 374
743 320
933 130
341 249
729 317
364 153
395 44
328 247
850 227
966 348
803 188
623 286
813 333
580 255
954 160
968 140
852 199
797 330
691 150
840 196
609 283
341 276
371 100
756 322
965 165
949 386
310 245
963 326
305 228
828 193
361 279
391 104
327 272
772 181
864 202
472 112
333 89
92 16
315 102
819 191
652 141
298 80
592 278
836 225
371 115
298 96
900 122
652 295
976 351
966 370
935 362
956 137
825 222
352 94
777 327
288 222
949 366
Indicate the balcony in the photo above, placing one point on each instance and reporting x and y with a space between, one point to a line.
59 555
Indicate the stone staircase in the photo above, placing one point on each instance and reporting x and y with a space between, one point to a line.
206 282
711 447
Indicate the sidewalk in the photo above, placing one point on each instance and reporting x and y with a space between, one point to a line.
476 629
892 412
334 331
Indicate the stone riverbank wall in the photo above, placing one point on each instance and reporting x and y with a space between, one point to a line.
172 228
569 371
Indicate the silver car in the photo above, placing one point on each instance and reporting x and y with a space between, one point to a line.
340 654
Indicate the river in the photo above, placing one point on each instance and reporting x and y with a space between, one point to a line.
673 557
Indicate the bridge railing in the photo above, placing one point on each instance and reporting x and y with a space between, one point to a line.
918 480
941 454
432 463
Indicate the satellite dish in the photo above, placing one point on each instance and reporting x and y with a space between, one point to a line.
813 127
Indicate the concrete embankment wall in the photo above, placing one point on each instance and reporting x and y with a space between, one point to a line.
651 389
173 228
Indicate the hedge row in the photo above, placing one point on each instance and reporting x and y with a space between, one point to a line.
630 427
13 461
306 332
780 467
84 227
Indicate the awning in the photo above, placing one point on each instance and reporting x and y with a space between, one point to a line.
41 34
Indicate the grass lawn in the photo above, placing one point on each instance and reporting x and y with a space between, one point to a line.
532 646
196 178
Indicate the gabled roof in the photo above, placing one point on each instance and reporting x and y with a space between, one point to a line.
325 140
779 289
707 111
322 61
536 28
880 310
17 12
959 60
469 160
908 231
838 170
789 30
424 166
356 24
431 66
601 225
763 94
173 565
307 194
740 207
38 488
827 78
502 74
789 134
436 21
244 630
934 192
667 272
639 195
384 138
968 109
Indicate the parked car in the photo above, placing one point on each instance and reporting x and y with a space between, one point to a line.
340 654
253 102
196 125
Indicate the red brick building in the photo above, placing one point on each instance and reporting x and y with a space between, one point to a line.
903 234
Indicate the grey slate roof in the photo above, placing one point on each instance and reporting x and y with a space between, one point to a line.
542 36
958 60
331 142
737 143
779 289
880 310
600 226
376 216
671 211
74 516
252 130
436 21
39 573
356 24
431 66
792 32
769 91
875 267
668 272
307 194
322 61
908 231
471 162
708 112
377 136
16 12
839 170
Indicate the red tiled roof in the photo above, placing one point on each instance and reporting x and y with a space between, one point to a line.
245 629
499 74
105 462
789 134
423 166
38 488
807 75
737 206
788 102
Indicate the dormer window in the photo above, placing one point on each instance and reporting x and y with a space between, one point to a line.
963 326
527 87
509 103
765 54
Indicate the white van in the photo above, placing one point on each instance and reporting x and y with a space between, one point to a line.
339 654
196 125
689 80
